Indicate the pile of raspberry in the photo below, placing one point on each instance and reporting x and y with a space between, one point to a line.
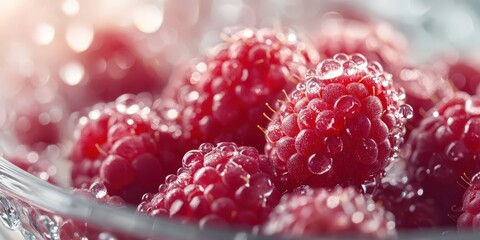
279 135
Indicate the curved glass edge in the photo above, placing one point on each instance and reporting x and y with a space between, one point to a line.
20 184
17 183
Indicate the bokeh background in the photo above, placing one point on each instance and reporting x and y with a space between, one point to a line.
39 37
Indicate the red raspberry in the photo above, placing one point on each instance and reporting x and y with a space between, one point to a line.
406 200
377 41
464 74
341 211
343 126
445 147
423 88
470 218
223 184
221 96
110 67
121 143
35 124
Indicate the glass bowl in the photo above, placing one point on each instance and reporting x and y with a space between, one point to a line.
35 210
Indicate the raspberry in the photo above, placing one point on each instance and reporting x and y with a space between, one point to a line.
465 75
443 149
221 95
37 124
343 126
120 143
377 41
341 211
110 67
470 218
223 184
423 88
404 198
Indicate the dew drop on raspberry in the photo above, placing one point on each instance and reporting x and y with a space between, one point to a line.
191 157
98 190
359 60
347 106
374 68
334 144
341 57
319 164
206 147
350 68
310 74
405 111
329 69
313 87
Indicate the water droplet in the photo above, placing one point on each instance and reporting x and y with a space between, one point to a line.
229 148
192 156
319 164
72 73
9 214
301 87
374 68
310 74
296 95
79 36
43 34
350 68
341 57
98 190
147 18
48 228
291 36
405 111
70 7
369 185
401 93
329 69
128 104
249 151
472 107
313 87
359 60
27 235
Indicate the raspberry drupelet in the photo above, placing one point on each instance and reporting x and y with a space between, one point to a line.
223 184
320 212
343 126
444 148
122 144
221 95
470 217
